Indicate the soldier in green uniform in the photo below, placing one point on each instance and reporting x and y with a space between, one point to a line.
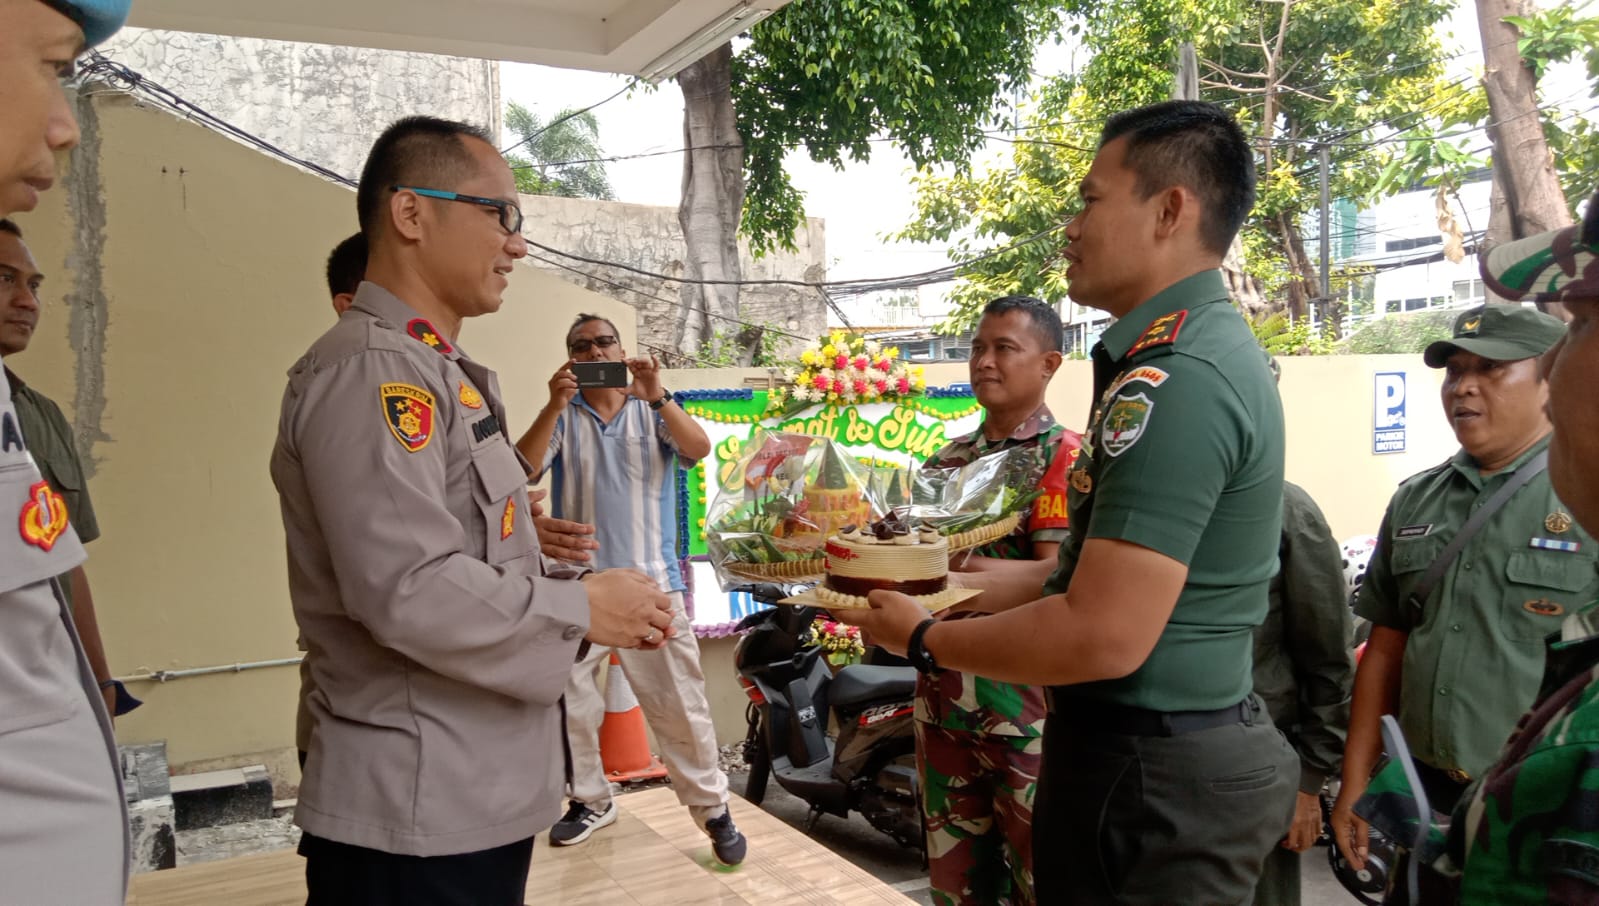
1459 662
1528 831
1164 780
979 742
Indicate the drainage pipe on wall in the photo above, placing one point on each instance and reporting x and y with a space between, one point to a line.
162 676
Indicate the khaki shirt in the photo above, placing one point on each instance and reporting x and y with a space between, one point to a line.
437 642
60 785
1184 456
1475 652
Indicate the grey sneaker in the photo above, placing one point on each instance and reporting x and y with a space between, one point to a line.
580 822
726 841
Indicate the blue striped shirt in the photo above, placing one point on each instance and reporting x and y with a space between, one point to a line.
621 478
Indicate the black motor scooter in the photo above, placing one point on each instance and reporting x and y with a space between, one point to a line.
870 767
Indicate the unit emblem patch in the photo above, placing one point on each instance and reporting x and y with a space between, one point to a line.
409 411
44 516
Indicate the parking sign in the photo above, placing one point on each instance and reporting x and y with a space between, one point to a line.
1388 413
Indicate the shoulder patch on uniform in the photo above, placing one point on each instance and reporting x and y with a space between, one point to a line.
1124 423
420 329
409 412
44 517
1161 332
470 398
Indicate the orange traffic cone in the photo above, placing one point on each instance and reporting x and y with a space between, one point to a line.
624 749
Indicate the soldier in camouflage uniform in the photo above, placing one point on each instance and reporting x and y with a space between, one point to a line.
979 742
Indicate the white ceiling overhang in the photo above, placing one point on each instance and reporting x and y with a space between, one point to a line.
649 38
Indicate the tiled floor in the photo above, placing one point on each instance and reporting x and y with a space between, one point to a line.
652 856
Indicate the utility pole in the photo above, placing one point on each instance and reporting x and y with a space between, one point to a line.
1326 225
1243 289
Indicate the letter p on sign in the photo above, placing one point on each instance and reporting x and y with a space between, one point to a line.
1390 411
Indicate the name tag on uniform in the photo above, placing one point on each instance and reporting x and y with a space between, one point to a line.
1550 544
1415 531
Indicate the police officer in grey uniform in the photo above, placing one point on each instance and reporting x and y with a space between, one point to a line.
63 824
438 637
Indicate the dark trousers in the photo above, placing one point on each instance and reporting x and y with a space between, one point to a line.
339 874
1188 818
1279 883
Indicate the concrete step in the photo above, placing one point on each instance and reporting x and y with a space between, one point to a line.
222 797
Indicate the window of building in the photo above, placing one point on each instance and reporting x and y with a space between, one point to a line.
1402 245
1392 306
1415 304
1469 292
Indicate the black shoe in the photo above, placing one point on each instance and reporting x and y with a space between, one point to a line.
580 822
726 841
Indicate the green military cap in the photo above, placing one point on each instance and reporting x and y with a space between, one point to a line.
1504 333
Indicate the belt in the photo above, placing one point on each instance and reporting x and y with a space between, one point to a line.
1126 720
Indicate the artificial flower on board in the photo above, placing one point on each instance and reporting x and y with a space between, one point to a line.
844 370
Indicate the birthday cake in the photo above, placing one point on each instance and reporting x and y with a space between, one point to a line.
890 555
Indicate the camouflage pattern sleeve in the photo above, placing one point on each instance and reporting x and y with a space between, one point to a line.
1528 832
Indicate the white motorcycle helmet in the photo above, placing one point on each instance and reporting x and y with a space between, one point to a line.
1357 556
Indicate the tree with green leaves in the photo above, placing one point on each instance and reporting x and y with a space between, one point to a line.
1544 150
1296 73
832 77
558 157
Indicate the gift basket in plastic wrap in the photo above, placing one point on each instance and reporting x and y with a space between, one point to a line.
795 490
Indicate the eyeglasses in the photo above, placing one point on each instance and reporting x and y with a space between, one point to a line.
581 346
510 214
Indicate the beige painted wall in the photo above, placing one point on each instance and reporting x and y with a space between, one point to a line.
209 276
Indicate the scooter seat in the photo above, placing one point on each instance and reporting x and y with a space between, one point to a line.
859 683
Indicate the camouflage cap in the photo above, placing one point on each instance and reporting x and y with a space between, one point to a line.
99 19
1549 267
1504 333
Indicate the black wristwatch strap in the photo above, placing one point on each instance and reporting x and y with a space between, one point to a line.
666 397
916 649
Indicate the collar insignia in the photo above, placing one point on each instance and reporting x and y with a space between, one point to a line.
421 330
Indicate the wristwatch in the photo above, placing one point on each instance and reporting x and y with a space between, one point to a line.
916 650
666 397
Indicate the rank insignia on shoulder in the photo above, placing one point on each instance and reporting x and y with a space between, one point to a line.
1160 332
421 330
409 412
470 398
1558 522
508 521
1543 607
44 516
1551 544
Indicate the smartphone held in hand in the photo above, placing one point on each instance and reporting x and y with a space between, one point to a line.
600 374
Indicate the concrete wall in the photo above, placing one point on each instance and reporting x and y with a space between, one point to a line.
649 238
184 277
320 102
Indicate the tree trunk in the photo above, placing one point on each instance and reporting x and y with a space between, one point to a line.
713 200
1306 281
1524 173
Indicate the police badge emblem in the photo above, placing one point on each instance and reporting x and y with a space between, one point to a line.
409 411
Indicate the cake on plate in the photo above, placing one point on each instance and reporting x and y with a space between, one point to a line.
890 555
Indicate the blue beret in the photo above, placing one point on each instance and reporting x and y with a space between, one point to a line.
99 19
